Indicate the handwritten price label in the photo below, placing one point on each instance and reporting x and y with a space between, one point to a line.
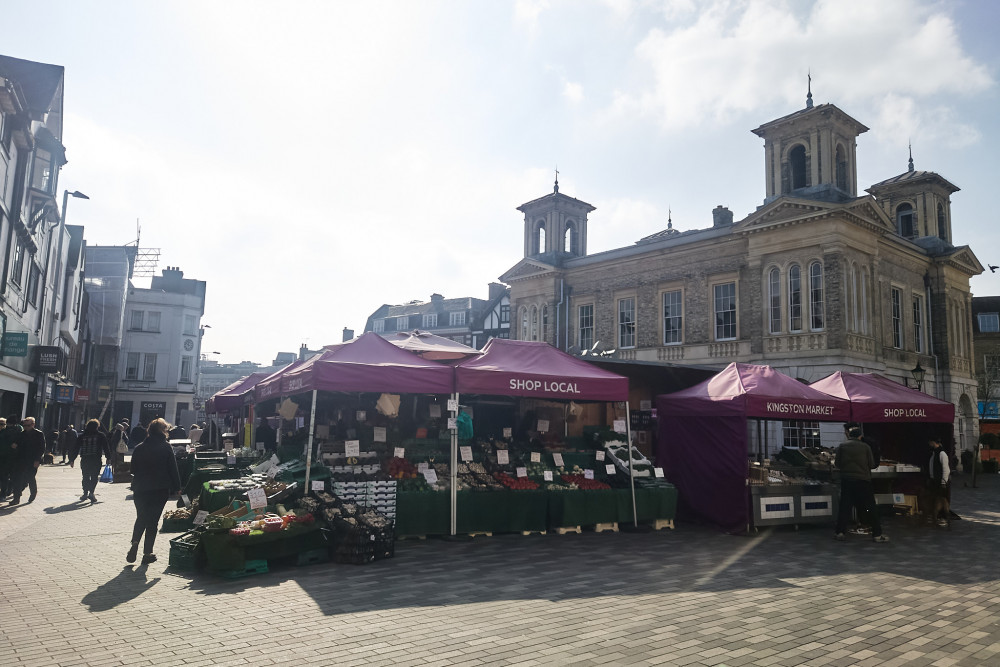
503 458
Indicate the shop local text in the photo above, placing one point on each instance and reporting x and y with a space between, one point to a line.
535 385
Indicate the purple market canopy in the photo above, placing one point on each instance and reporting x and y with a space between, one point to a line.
270 387
875 398
526 368
232 396
369 363
431 346
754 391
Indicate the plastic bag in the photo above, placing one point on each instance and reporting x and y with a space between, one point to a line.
107 475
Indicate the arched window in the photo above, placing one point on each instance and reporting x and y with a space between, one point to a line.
539 237
841 166
942 223
905 221
816 296
794 298
545 323
569 239
774 300
524 324
534 323
797 162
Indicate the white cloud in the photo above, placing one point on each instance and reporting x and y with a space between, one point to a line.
573 92
526 12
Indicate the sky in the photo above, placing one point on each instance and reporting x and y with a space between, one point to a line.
312 161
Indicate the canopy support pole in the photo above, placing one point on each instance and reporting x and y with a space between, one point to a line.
631 470
312 431
454 467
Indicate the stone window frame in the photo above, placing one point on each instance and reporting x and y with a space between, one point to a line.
914 227
619 298
665 289
724 279
919 324
579 324
773 282
898 334
813 302
796 268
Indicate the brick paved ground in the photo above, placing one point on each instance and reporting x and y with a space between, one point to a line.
686 597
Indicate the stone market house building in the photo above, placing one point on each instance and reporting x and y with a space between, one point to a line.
818 279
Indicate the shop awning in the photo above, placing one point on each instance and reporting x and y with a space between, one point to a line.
368 363
270 387
538 370
875 398
232 396
431 346
754 391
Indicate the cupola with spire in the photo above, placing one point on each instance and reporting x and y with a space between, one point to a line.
555 226
918 202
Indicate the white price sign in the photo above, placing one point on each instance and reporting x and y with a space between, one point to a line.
610 468
522 472
352 448
318 486
430 475
466 453
599 455
543 426
361 415
508 432
547 475
452 423
229 445
645 405
658 472
399 452
557 459
503 457
379 434
619 426
422 466
452 405
231 460
200 517
536 457
272 473
588 474
257 498
274 459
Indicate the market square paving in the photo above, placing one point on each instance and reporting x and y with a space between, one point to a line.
691 596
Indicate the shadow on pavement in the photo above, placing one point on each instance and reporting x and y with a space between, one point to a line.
692 559
127 585
75 505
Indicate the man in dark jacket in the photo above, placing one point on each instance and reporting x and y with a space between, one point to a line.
66 441
91 446
8 454
30 445
855 462
154 479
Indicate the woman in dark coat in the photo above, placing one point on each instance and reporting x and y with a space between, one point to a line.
154 479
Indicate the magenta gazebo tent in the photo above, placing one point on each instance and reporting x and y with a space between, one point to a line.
232 396
537 370
270 387
703 438
875 398
431 346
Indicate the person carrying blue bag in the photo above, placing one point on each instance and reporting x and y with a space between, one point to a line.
91 445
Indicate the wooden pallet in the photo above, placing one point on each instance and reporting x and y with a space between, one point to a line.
477 534
602 527
411 537
563 530
660 524
532 532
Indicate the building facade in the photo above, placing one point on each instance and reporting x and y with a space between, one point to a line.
40 257
160 347
466 320
817 279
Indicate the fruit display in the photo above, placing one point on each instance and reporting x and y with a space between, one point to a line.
581 482
242 484
398 468
516 483
183 513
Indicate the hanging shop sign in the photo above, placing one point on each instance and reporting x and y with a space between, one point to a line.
82 395
15 344
65 393
47 358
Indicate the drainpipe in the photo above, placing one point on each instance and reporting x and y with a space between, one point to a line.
558 308
930 336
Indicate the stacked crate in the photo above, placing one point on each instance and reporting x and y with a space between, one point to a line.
377 495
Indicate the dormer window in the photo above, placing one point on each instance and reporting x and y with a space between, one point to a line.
942 224
989 322
905 221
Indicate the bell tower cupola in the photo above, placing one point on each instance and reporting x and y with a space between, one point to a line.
811 154
555 226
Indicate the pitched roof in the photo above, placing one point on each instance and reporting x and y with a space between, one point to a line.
38 81
914 176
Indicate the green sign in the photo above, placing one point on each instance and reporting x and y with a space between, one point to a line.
15 345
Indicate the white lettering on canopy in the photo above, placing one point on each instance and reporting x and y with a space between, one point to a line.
544 385
798 409
905 412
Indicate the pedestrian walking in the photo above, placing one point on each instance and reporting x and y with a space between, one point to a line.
90 446
30 445
855 461
938 483
7 453
154 479
119 445
67 439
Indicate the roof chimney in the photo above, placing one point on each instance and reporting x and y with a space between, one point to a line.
721 216
436 297
348 335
